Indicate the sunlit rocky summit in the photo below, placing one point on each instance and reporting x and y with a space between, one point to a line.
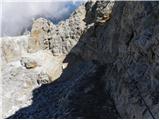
101 62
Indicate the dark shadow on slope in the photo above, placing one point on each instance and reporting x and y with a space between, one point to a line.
72 95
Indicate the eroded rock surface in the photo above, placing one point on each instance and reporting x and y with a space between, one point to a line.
61 38
128 45
12 48
28 63
120 36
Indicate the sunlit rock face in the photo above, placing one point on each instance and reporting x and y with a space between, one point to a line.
40 35
27 72
61 38
120 36
13 48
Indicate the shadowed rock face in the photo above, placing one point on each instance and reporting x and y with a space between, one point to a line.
128 43
78 93
106 55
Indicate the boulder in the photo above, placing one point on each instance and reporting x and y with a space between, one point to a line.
28 63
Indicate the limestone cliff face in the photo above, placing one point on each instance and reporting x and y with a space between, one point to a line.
61 38
124 37
120 36
128 45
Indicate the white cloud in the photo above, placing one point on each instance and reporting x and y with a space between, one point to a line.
18 15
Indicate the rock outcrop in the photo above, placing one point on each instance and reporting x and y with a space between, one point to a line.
28 63
61 38
128 45
13 48
119 38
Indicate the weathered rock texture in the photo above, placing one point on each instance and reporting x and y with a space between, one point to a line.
12 48
59 39
128 45
23 71
114 71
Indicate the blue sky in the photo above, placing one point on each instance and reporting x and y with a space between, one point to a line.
16 16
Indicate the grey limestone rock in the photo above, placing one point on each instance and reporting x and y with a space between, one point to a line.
128 45
43 78
61 38
28 63
121 36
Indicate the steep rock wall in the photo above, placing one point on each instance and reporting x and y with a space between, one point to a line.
123 37
128 45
